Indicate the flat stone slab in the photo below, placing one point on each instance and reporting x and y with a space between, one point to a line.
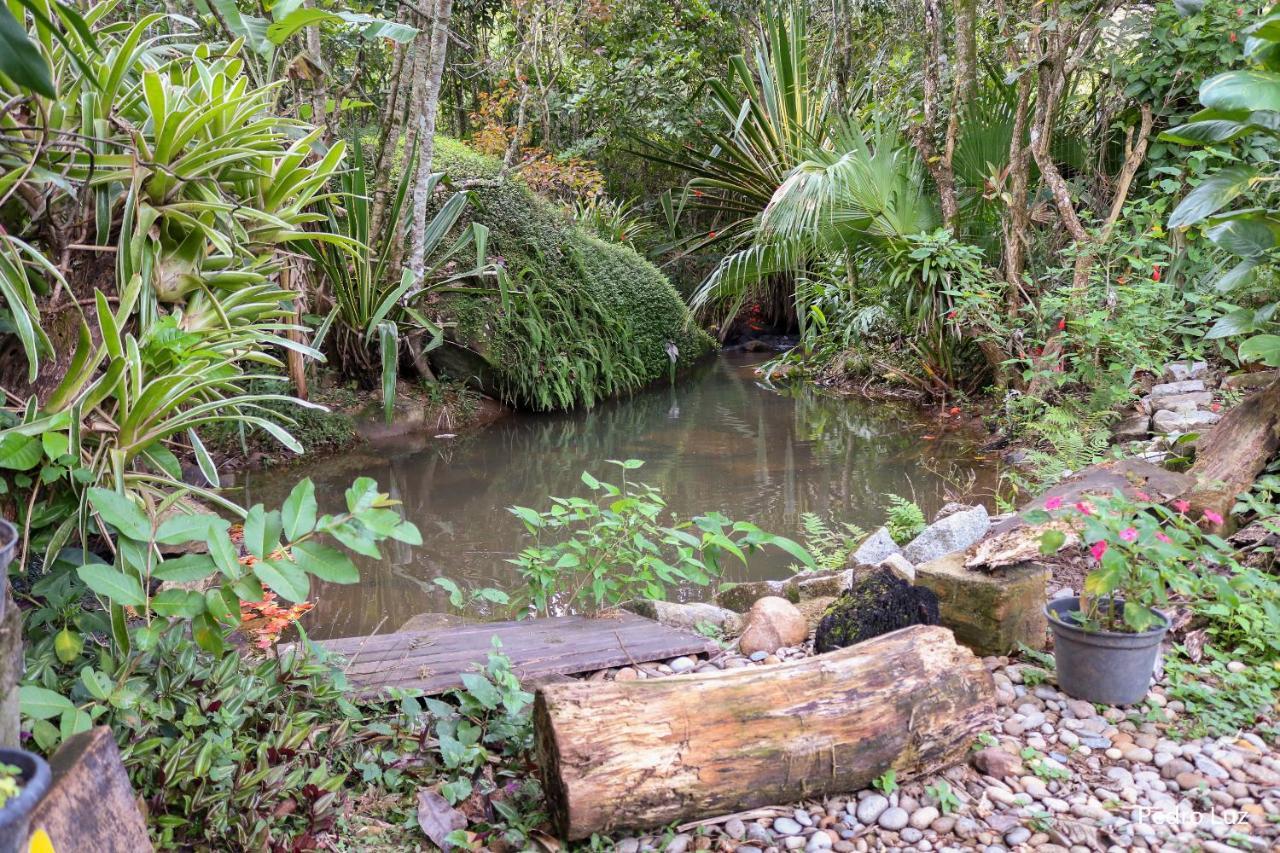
434 661
90 806
991 613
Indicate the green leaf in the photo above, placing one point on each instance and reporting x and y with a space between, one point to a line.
1213 194
121 513
95 683
40 703
1242 90
185 569
1263 348
261 531
178 602
1246 236
299 511
285 578
19 452
188 527
1051 541
325 562
20 61
280 31
106 581
481 689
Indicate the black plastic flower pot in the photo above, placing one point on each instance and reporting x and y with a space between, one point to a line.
1108 667
15 814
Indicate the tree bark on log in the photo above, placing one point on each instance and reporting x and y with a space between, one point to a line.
1232 454
638 754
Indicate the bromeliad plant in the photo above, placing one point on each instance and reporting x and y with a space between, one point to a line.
592 554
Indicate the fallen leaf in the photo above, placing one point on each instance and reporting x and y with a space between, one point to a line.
546 842
437 818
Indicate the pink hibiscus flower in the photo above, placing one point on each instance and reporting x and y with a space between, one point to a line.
1084 507
1053 503
1212 516
1181 506
1129 534
1098 549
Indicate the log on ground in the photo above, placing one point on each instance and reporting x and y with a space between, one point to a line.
640 754
1232 454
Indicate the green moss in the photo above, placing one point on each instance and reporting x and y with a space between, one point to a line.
585 319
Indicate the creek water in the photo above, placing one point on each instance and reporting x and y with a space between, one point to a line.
719 439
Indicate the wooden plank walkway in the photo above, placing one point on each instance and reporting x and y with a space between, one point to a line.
539 650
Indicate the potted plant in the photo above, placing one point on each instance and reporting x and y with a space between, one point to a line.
24 778
1107 640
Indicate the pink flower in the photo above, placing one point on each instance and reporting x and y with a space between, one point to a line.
1212 516
1129 534
1098 549
1142 496
1084 507
1053 503
1163 538
1181 506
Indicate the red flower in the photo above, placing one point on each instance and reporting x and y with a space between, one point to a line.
1215 407
1084 507
951 315
1181 506
1239 11
1155 271
1098 549
1233 38
711 235
1062 324
1212 516
1053 503
1142 496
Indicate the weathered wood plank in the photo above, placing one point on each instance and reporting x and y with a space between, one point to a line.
90 807
539 649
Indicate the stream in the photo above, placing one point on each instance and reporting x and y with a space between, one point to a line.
720 439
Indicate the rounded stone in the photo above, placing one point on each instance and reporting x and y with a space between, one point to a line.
1017 835
893 819
787 826
870 809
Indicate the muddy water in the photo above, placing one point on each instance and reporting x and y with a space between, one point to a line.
719 440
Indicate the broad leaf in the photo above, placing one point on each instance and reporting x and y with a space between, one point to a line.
299 510
1242 90
112 584
19 452
20 61
121 513
325 562
1214 193
1246 236
1263 348
285 578
40 703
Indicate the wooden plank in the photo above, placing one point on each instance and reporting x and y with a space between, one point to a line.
90 807
539 649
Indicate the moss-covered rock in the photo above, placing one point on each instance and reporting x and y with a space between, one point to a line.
582 319
877 603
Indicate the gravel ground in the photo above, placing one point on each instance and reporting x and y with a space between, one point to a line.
1055 775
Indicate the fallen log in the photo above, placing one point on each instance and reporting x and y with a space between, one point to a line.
1231 455
639 754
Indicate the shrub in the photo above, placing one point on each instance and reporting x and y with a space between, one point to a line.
576 318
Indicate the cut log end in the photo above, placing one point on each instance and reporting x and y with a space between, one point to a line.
639 754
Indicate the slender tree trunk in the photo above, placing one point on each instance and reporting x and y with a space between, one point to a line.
430 74
392 130
939 165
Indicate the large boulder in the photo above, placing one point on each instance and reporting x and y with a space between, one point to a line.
877 603
946 536
1166 422
772 624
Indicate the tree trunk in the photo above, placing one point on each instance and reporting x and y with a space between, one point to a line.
11 664
1231 455
428 100
638 754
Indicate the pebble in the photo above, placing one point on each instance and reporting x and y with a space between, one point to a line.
1016 836
787 826
735 828
921 818
759 656
682 664
893 819
679 844
870 809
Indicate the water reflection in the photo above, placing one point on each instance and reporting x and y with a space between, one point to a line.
717 441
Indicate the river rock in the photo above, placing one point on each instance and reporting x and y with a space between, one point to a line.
893 819
1165 422
1180 371
1183 402
822 586
1169 389
687 615
740 597
900 566
875 548
877 603
1251 381
773 623
870 809
997 763
1133 428
954 533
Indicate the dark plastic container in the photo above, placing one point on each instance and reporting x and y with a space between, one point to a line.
1102 666
15 815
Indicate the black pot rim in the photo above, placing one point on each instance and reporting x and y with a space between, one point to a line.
35 783
1056 621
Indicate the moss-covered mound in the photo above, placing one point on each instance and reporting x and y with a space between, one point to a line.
576 320
878 602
